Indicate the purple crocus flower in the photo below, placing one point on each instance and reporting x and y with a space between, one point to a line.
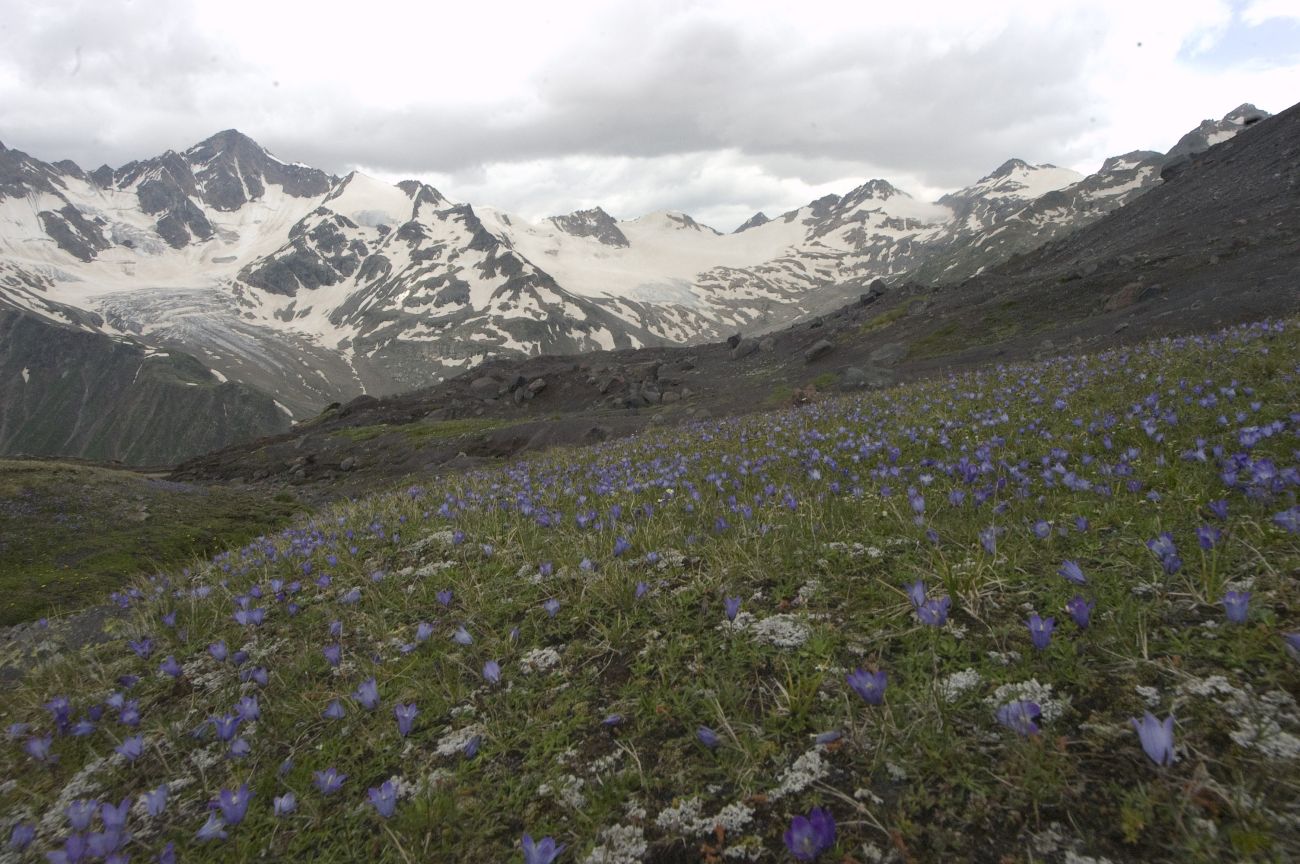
471 746
234 804
1020 717
114 815
552 607
731 606
621 545
543 852
1236 605
1219 508
225 726
641 589
1208 536
916 593
248 709
830 737
143 647
38 747
707 737
1288 520
75 850
155 801
333 654
443 597
334 711
239 748
80 814
869 685
462 637
285 804
423 631
934 612
1080 610
1072 572
809 836
1157 737
1040 630
384 799
367 694
1042 530
131 748
1292 641
22 836
328 781
612 720
492 671
171 667
219 651
989 539
213 829
405 715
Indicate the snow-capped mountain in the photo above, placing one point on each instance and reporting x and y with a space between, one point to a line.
315 288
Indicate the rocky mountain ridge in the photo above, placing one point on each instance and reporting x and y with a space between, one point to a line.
315 288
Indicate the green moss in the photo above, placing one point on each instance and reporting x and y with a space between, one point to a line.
422 432
884 319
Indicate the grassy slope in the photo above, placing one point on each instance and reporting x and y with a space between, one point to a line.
70 533
927 776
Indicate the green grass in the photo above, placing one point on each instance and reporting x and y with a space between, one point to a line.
884 319
929 775
423 432
69 533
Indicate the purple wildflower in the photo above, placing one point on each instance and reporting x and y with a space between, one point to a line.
225 726
143 647
1157 737
543 852
405 715
234 804
131 748
367 694
248 709
334 711
1288 520
213 829
1072 572
492 671
423 631
328 781
22 836
155 801
641 589
1236 605
1040 630
1020 717
707 737
80 814
38 747
333 654
285 804
114 816
809 836
1080 610
219 651
621 545
869 685
443 597
552 607
384 799
916 593
934 612
731 606
1219 509
1208 536
462 637
470 749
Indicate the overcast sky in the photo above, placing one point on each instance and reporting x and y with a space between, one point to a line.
715 108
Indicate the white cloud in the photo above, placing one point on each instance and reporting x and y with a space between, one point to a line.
718 108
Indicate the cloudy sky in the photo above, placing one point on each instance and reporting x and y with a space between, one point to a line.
715 108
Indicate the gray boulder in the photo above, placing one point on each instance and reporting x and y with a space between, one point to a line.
743 348
818 350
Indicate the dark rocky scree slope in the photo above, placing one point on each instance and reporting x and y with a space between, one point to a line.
1218 242
125 402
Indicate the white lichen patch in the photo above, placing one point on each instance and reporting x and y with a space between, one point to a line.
855 550
685 818
806 770
539 660
453 741
807 591
1262 721
84 784
619 844
952 687
568 791
1004 658
1053 707
1149 695
781 631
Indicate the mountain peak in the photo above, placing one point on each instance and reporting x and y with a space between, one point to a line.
594 223
759 218
1007 168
